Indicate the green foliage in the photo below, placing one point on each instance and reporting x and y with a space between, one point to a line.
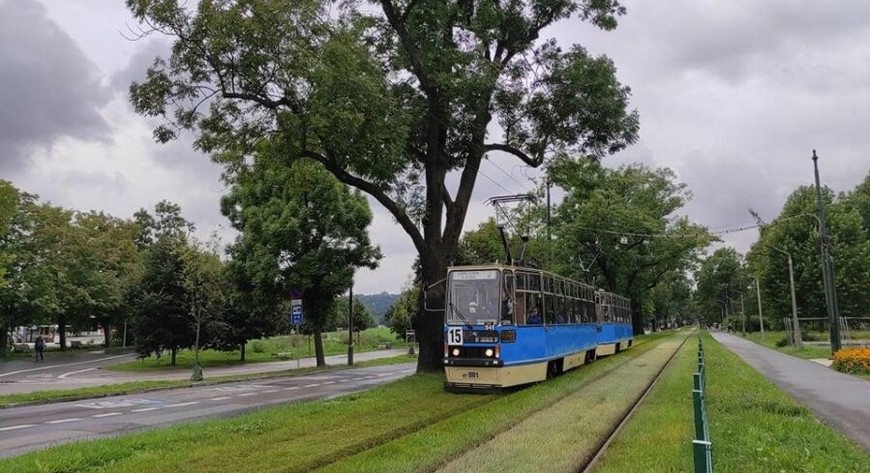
721 279
378 304
301 229
402 316
389 102
362 317
795 231
618 229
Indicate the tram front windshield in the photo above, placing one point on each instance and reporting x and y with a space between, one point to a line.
473 297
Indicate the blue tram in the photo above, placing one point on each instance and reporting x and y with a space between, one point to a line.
507 326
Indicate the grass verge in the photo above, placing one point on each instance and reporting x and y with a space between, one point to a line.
305 436
754 425
433 446
806 352
38 397
291 347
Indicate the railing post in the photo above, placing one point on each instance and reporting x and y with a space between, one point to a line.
701 445
702 451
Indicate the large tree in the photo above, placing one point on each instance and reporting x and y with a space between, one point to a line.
300 229
722 278
389 102
620 229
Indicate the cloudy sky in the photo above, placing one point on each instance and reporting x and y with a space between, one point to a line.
733 96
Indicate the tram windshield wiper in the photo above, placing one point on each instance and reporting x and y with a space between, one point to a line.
462 317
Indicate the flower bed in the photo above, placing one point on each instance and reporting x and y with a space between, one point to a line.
852 360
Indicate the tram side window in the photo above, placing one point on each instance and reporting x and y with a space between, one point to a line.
533 309
507 300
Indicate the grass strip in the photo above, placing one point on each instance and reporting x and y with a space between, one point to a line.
807 351
658 436
435 445
571 430
754 425
41 397
292 347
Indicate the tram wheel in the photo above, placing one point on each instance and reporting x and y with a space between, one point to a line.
552 370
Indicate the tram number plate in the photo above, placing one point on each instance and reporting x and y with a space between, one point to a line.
471 375
454 336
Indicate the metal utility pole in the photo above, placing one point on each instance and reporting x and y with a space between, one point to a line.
743 311
827 265
797 340
350 326
549 237
760 316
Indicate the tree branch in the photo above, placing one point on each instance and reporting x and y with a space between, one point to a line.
398 24
533 162
342 175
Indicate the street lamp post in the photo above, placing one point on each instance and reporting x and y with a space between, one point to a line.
796 329
827 265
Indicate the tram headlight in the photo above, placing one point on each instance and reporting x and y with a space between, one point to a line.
455 352
488 352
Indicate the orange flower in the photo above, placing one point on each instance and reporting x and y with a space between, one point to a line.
852 360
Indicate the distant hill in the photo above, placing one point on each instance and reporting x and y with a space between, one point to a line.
378 304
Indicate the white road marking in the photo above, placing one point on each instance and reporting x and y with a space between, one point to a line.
182 404
291 388
61 365
222 398
108 414
145 409
384 374
248 394
329 382
63 376
64 421
15 427
311 385
269 391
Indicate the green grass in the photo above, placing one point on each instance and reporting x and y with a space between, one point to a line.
10 400
413 417
572 427
259 351
433 446
754 426
771 338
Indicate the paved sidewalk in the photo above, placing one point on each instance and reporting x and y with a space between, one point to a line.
840 400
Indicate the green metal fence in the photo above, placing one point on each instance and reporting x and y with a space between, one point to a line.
701 445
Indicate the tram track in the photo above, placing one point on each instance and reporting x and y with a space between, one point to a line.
411 435
614 433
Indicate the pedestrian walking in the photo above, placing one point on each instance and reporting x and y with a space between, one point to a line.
39 348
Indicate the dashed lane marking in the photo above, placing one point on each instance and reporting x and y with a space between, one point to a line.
16 427
269 391
182 404
108 414
311 385
248 394
64 421
291 388
222 398
145 409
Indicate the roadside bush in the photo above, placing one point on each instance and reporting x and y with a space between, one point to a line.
782 342
258 346
852 360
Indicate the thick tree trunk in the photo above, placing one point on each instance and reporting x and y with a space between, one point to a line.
61 330
430 324
4 340
174 353
242 350
636 317
107 335
318 347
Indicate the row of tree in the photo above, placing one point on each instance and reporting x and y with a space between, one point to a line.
727 276
148 279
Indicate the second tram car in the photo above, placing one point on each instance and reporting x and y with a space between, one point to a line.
614 319
506 326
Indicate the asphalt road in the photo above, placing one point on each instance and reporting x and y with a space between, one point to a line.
86 369
23 429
